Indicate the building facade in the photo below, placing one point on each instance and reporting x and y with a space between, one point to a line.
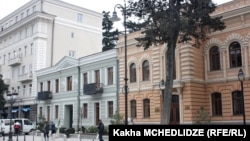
77 92
206 78
38 35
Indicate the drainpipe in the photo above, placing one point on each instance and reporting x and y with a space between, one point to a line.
52 42
78 99
117 86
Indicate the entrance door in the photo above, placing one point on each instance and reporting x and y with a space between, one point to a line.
97 113
175 112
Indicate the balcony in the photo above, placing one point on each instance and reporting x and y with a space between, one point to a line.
14 61
25 77
45 95
93 88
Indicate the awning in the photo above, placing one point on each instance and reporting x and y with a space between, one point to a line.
14 110
26 109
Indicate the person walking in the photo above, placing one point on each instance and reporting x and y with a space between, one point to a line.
17 127
100 130
53 128
46 131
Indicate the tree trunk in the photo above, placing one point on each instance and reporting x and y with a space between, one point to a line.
167 98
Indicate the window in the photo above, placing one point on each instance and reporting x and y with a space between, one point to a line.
48 85
56 111
85 110
97 76
69 83
110 109
214 56
235 55
31 49
79 18
57 85
30 89
24 87
145 70
216 104
40 111
25 50
133 108
41 86
237 103
110 76
72 53
48 113
132 73
146 108
85 78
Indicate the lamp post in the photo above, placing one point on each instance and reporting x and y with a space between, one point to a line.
241 78
115 18
162 88
11 99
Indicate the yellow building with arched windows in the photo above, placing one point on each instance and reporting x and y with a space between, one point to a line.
205 78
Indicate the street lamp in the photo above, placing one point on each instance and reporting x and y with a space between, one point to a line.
162 88
11 97
115 18
241 78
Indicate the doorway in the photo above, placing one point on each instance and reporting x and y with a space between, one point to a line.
175 111
97 113
68 116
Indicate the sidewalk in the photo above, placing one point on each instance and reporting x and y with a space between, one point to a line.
61 137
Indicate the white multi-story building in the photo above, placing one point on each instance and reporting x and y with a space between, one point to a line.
38 35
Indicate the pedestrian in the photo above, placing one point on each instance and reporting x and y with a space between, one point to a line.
100 130
17 127
53 128
46 131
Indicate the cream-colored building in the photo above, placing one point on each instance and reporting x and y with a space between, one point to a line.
38 35
205 78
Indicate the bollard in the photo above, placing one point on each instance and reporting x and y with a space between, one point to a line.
24 137
65 137
42 137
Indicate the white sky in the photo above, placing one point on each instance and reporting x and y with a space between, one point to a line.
8 6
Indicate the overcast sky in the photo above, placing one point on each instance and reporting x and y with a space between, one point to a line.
8 6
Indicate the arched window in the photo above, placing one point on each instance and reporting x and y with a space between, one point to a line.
132 72
214 56
145 70
133 108
237 103
216 104
235 55
146 108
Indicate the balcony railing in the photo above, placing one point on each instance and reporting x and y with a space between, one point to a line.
14 61
93 88
25 77
44 95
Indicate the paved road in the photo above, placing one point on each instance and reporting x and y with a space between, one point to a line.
40 138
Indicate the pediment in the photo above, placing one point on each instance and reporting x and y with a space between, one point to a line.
66 62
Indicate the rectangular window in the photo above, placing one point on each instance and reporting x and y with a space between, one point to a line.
31 49
30 89
85 78
97 76
110 76
40 111
69 83
146 108
57 85
85 110
79 18
110 109
237 103
48 113
48 86
56 111
25 50
41 86
24 89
